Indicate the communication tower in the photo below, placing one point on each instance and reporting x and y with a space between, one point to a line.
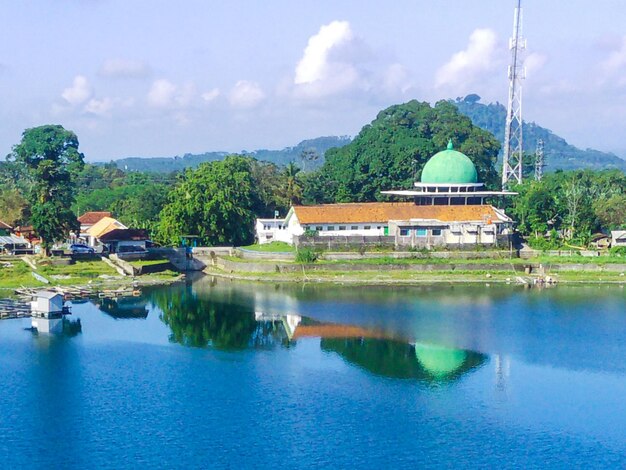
539 160
513 143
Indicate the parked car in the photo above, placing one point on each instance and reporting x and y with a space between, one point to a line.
77 249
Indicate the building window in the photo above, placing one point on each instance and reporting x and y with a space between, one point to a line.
319 228
405 232
378 228
436 232
342 227
367 227
421 232
330 228
354 227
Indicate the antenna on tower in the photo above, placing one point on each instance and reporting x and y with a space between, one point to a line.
513 143
539 161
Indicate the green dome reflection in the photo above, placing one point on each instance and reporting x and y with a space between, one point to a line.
439 361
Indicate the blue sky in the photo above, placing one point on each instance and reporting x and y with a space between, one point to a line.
161 78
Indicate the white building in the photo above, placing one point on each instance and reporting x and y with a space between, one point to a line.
618 238
272 230
448 208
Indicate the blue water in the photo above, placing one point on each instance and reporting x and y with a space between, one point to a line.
185 377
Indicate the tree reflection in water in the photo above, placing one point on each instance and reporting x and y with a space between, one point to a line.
396 359
216 320
223 320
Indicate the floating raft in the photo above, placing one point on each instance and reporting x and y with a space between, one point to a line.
70 293
10 308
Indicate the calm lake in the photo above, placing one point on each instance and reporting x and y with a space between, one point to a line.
215 373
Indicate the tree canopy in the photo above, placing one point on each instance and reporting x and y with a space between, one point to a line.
50 159
390 152
214 202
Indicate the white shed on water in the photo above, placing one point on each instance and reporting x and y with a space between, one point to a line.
47 303
47 311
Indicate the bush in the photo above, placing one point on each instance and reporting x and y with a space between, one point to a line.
544 244
306 256
618 250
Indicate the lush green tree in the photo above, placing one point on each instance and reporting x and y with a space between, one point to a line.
574 204
267 182
535 208
390 152
214 202
291 185
611 211
13 206
51 160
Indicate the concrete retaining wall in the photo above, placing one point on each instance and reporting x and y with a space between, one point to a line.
251 267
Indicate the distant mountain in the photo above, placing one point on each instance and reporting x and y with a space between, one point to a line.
314 148
558 154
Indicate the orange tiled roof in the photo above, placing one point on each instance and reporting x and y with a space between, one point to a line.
385 211
91 218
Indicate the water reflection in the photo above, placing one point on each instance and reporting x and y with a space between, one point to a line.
124 307
227 319
389 358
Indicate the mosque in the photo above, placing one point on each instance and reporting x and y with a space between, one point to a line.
446 208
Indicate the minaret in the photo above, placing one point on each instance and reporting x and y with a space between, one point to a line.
513 142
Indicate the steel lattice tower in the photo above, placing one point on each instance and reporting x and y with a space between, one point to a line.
539 161
513 142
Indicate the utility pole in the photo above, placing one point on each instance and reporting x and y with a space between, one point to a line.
539 160
513 142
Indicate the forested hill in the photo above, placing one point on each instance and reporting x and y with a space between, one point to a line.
312 149
558 153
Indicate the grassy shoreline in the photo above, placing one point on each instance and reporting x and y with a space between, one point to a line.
15 274
417 278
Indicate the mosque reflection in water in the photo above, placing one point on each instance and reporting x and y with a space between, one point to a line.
229 322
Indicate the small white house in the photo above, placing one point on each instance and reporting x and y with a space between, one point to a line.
618 238
271 230
47 310
47 303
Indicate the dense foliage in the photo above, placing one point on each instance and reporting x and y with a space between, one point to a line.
570 206
390 152
50 160
136 199
214 202
558 153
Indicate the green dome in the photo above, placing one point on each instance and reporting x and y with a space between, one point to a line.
449 166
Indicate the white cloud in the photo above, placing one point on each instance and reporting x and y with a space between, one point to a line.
534 62
210 95
329 63
465 66
100 107
336 61
161 94
617 58
396 78
314 65
165 94
124 68
79 92
246 94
